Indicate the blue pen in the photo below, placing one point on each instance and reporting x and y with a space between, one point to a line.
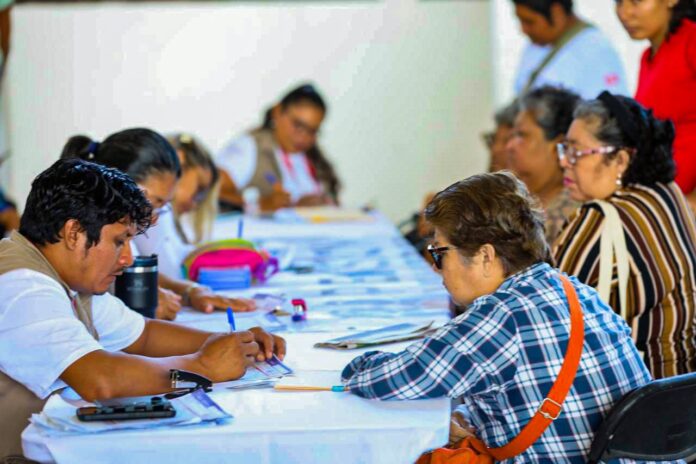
240 227
271 178
230 320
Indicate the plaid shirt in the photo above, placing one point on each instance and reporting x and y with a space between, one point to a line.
503 355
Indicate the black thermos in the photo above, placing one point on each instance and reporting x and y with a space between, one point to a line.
137 286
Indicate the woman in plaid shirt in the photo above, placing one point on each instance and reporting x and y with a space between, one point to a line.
503 354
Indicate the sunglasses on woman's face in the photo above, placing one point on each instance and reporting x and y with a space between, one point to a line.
437 253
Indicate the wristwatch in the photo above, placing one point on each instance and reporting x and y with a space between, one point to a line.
184 382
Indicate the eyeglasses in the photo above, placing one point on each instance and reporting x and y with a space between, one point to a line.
572 154
301 126
436 253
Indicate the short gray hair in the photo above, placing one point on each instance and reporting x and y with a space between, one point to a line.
506 115
552 109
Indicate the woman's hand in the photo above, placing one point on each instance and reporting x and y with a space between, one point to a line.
168 304
203 299
279 198
313 200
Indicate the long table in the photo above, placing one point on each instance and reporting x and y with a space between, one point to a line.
365 276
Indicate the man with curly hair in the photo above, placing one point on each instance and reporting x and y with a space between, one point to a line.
59 327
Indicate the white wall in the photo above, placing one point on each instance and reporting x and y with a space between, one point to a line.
508 42
409 82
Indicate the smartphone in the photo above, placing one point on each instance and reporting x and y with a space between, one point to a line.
156 408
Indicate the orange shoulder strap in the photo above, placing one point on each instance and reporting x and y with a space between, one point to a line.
550 408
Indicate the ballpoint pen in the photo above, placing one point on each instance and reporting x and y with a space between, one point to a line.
230 319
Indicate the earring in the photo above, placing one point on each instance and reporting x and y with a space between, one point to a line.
618 181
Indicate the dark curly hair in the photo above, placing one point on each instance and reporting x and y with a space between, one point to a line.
652 160
138 152
492 208
544 6
93 195
684 9
552 109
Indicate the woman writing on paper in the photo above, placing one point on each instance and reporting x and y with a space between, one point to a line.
153 163
501 356
281 159
617 159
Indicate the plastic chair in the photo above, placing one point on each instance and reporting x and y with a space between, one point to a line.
655 422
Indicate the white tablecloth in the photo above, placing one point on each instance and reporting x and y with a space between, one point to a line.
291 427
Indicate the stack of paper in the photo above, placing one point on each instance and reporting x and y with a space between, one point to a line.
58 415
262 374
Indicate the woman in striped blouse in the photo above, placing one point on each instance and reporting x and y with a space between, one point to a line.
618 152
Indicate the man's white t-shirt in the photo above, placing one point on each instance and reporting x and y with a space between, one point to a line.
238 159
40 335
587 65
163 240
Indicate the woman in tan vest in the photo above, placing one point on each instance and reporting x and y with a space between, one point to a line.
281 159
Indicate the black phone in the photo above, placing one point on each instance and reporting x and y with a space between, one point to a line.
156 408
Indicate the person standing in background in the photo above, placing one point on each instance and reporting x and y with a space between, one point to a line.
5 29
9 216
565 51
667 79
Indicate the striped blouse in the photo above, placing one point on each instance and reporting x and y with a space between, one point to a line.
660 234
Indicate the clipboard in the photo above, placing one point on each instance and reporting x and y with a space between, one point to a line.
385 335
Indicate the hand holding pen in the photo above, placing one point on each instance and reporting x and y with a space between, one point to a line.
278 198
268 344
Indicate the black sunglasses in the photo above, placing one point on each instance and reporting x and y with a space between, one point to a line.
436 253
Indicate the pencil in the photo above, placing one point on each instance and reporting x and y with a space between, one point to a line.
335 388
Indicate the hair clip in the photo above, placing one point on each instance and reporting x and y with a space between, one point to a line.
185 382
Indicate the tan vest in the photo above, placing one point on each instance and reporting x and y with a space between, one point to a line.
17 403
266 162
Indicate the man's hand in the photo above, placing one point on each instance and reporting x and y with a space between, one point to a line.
203 299
168 304
226 356
269 344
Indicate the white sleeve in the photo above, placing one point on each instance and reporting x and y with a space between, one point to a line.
39 333
238 159
588 65
163 240
531 57
117 325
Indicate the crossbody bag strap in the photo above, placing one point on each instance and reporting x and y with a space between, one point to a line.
613 244
565 38
551 407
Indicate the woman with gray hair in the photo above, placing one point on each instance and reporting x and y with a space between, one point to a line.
634 237
501 356
544 117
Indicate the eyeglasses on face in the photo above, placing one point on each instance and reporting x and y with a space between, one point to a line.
437 253
572 154
300 126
